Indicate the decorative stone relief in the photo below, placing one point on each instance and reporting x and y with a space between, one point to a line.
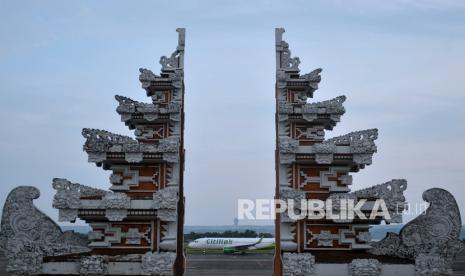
93 265
324 179
287 158
105 236
365 267
167 214
432 265
116 205
298 264
68 194
358 141
69 215
158 263
134 157
324 153
287 61
27 234
392 192
287 149
116 201
313 78
433 238
325 238
166 198
286 194
123 178
100 141
170 62
310 111
133 236
336 199
146 77
356 241
150 112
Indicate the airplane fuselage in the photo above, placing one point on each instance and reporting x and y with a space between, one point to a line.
238 244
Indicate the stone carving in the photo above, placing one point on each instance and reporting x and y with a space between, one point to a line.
337 197
287 194
392 192
146 77
167 214
93 265
173 62
311 110
365 267
166 198
432 265
104 141
127 107
68 194
133 236
361 144
98 140
286 60
157 263
359 141
298 264
313 78
288 145
68 198
27 234
432 237
68 215
325 238
116 205
116 201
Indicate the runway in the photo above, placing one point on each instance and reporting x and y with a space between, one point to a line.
220 264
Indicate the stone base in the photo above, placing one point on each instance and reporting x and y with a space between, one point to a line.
343 270
147 264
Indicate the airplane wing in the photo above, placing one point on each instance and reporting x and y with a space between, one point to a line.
245 246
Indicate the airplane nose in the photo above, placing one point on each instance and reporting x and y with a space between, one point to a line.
191 244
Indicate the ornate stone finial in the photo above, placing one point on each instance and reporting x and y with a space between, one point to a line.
176 60
284 58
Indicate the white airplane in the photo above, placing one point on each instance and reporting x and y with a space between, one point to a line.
232 245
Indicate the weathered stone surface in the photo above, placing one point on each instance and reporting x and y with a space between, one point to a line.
166 198
27 234
94 265
392 192
298 264
432 239
365 267
158 263
102 141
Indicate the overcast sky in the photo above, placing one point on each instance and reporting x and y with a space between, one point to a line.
401 64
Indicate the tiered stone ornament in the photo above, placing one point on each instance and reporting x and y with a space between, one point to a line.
308 166
137 225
